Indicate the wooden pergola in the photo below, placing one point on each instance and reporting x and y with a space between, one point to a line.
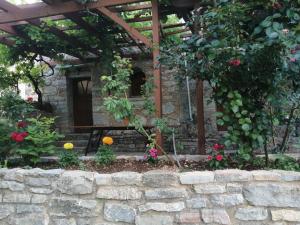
36 14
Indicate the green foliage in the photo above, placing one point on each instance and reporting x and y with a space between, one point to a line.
40 141
248 51
6 145
105 155
217 158
13 107
284 162
68 158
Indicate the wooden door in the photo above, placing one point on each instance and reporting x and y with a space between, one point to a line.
82 102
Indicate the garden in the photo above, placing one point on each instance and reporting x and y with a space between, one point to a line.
241 49
158 112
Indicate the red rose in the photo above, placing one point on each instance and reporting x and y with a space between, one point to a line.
29 99
209 157
13 135
293 60
277 5
216 147
235 62
19 138
293 51
21 124
24 134
219 157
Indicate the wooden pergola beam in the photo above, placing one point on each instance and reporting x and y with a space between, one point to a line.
156 66
134 33
40 10
130 8
12 9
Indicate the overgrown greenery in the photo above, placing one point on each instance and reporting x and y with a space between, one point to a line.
248 51
105 155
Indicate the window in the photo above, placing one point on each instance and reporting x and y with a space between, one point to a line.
137 79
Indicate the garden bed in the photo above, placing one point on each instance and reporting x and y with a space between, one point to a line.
135 164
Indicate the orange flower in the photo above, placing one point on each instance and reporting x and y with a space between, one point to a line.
107 140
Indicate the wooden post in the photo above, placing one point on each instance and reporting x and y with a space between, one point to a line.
156 66
200 118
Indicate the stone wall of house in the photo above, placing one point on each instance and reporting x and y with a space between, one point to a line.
57 197
58 91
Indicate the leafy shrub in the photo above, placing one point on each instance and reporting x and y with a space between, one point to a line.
68 158
6 145
13 107
217 158
151 155
39 141
284 162
105 155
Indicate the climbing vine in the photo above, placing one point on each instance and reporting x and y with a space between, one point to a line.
248 51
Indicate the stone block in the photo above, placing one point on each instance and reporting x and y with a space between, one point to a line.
14 175
197 202
41 190
232 175
11 185
266 175
154 220
22 208
196 177
74 207
234 188
30 219
103 179
64 221
251 213
119 193
273 194
76 182
218 216
160 178
165 193
126 178
162 207
5 211
38 181
210 188
227 200
16 197
38 199
286 215
188 218
119 213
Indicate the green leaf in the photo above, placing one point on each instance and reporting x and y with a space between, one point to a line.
246 127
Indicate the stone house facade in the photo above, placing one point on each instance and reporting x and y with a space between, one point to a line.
65 88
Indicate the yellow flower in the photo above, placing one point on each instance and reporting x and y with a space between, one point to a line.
107 140
68 146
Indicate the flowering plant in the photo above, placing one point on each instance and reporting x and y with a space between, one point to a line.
151 154
217 158
68 157
35 138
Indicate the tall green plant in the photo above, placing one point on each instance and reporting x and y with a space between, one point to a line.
248 51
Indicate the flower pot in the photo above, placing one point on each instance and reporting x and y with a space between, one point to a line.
183 3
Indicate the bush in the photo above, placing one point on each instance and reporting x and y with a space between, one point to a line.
68 158
105 155
217 159
284 162
13 107
6 145
39 140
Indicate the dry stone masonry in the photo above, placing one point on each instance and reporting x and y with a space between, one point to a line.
58 197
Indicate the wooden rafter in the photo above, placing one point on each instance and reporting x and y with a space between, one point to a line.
131 8
134 33
10 8
40 10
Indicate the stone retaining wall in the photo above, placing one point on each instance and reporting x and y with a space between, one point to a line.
57 197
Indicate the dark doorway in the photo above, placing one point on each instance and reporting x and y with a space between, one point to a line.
82 103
